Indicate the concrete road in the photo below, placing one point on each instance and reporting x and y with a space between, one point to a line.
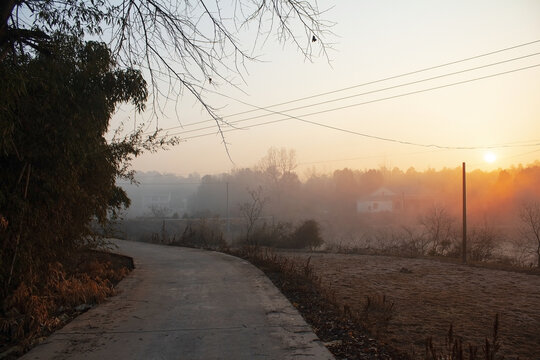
184 303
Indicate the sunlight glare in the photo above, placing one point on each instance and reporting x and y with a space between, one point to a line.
490 157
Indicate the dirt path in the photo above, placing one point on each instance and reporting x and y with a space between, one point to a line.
430 295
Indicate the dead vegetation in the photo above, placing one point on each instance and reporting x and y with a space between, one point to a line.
346 333
430 296
35 309
353 329
455 349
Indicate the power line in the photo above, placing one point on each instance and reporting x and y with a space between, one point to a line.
150 184
367 157
522 154
224 182
355 86
283 112
288 117
407 74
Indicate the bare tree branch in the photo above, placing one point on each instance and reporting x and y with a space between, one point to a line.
180 45
530 218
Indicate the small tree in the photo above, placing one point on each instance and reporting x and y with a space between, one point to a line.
530 218
252 211
483 243
160 212
438 231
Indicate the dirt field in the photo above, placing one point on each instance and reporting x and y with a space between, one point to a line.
429 295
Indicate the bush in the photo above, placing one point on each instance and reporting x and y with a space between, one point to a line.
282 235
307 235
483 243
273 236
202 233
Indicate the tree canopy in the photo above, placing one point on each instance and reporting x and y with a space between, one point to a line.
58 170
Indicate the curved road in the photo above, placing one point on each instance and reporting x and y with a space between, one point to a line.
182 303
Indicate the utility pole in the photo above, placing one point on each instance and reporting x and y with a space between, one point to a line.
464 246
228 220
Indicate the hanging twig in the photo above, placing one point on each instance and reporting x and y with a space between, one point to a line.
18 238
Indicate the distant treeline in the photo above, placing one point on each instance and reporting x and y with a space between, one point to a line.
495 195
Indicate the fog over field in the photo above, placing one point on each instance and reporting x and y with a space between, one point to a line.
407 211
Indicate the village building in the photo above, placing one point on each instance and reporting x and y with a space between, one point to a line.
381 200
387 200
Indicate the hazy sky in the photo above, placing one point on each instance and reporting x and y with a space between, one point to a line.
375 40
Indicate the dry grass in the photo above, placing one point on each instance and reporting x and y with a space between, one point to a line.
454 349
35 309
347 334
430 296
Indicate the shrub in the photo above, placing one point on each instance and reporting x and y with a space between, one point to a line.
483 243
277 235
307 235
200 234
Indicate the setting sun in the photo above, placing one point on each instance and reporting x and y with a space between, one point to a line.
490 157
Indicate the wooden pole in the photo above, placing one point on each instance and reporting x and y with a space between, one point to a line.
228 220
464 247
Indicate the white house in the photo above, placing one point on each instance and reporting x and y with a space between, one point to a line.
383 199
162 200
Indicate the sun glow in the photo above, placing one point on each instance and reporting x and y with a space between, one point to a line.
490 157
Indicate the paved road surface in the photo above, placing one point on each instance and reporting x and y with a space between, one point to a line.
184 303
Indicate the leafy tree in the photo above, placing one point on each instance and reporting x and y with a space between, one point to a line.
58 170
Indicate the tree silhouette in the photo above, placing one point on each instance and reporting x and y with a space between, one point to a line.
58 170
252 211
190 43
530 218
